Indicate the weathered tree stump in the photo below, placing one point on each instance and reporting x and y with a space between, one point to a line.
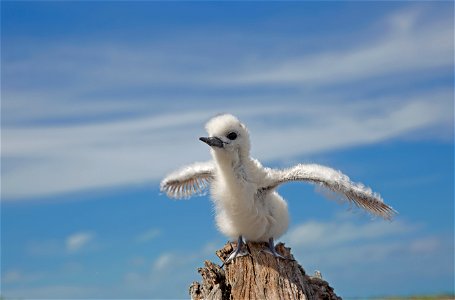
259 276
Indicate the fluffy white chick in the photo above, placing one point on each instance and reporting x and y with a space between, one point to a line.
247 204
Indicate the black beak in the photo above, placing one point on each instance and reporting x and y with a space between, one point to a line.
212 141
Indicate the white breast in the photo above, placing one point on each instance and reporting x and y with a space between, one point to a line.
241 211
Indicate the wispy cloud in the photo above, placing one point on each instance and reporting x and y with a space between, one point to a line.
316 235
170 269
72 243
49 160
148 235
17 276
81 113
163 261
95 130
409 46
345 249
77 241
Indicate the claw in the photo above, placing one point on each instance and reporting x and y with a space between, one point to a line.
271 250
238 252
235 254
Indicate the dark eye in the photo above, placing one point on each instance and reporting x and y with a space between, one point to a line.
232 136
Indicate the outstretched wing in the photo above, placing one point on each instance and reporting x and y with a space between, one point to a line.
335 181
189 180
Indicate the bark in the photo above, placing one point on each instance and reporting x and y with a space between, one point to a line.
259 276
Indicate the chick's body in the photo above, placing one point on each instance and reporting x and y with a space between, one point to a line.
242 207
244 192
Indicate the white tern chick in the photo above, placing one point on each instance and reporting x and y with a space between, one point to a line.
244 192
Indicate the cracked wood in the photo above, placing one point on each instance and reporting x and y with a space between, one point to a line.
259 276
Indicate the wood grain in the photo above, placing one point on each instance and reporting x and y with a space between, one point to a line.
259 275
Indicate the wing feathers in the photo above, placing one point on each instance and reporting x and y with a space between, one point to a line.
337 182
190 180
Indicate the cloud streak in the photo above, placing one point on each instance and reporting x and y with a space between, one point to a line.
347 250
77 241
58 159
317 235
148 235
95 130
409 47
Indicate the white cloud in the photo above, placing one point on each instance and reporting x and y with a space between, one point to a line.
164 261
413 43
315 235
58 159
332 127
425 245
173 261
410 46
139 138
348 250
17 276
170 273
345 249
404 20
148 235
77 241
104 115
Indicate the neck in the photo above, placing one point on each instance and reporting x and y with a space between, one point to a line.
231 164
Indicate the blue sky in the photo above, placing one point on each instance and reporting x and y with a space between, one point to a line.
101 100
